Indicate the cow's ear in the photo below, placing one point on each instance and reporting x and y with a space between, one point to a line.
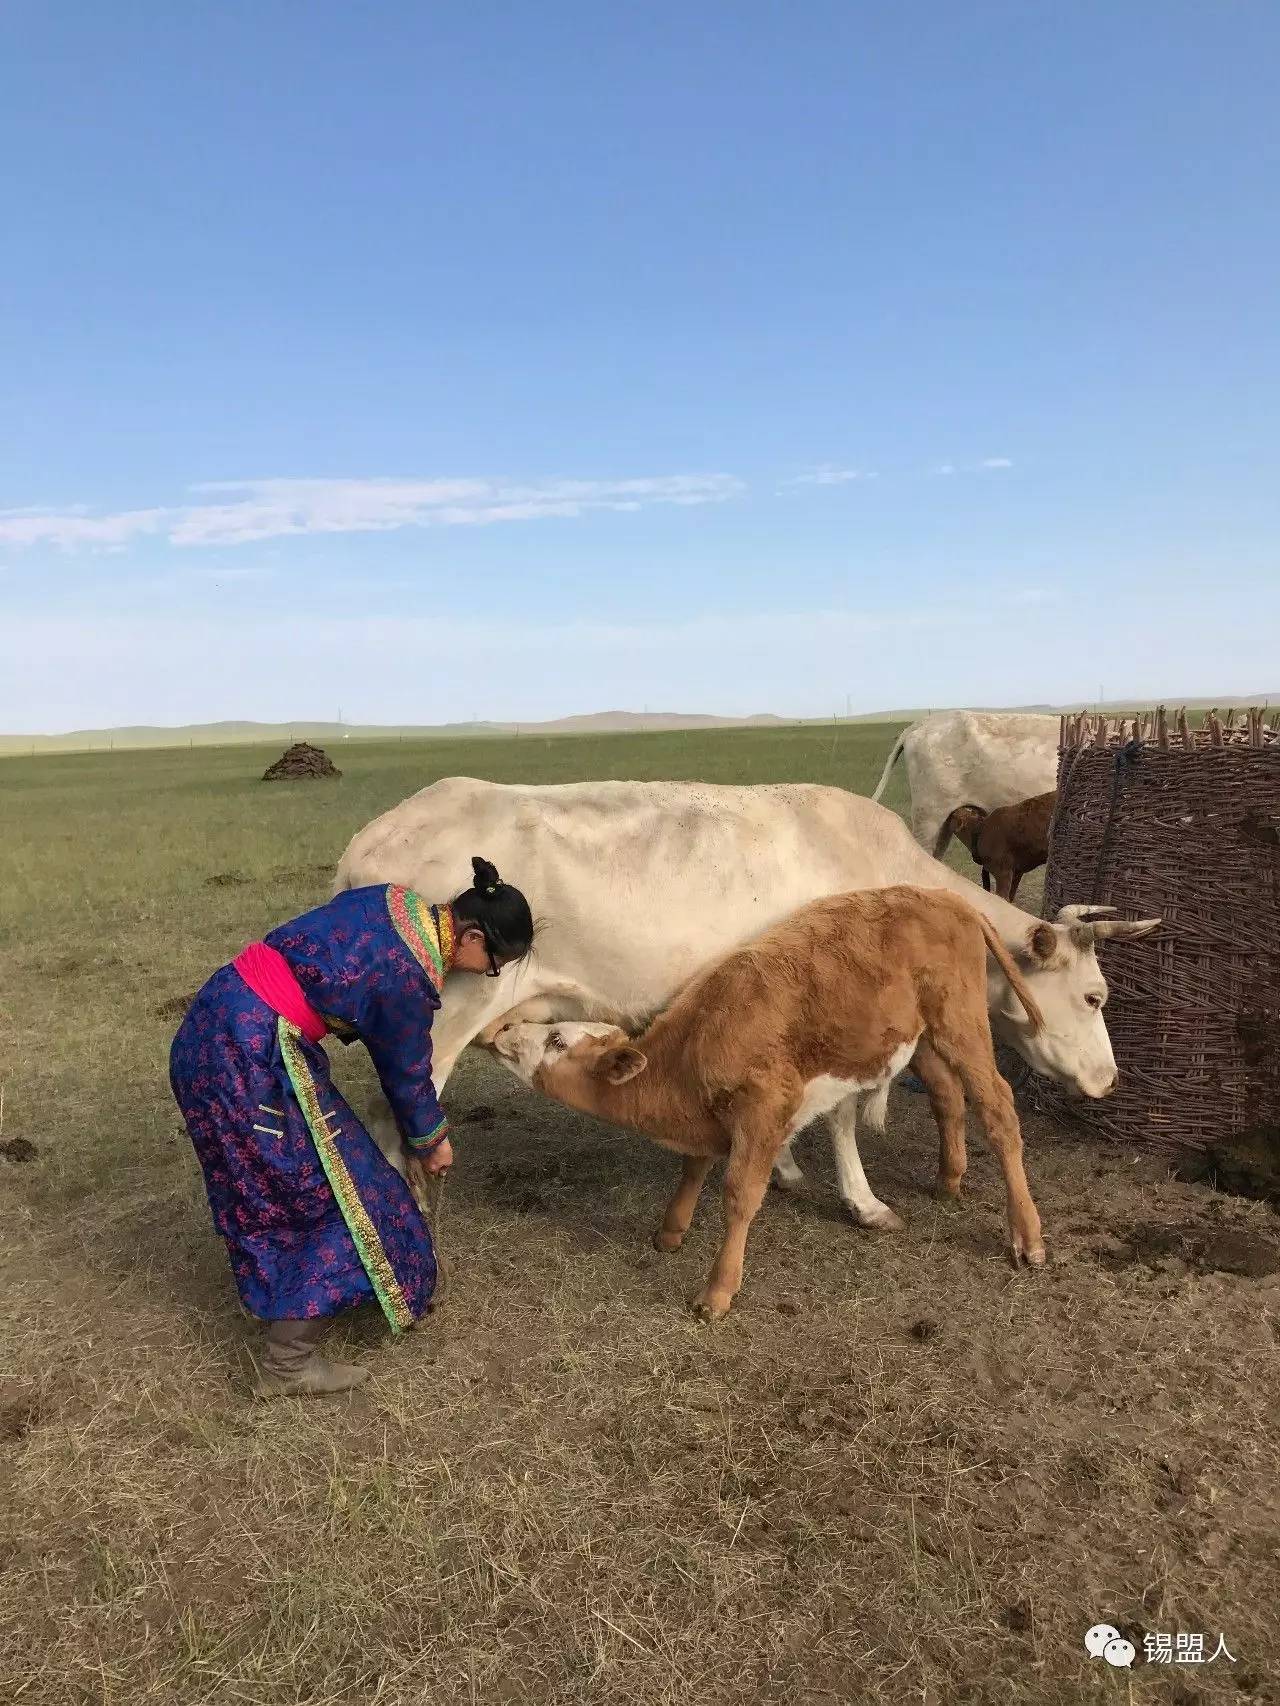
617 1065
1042 944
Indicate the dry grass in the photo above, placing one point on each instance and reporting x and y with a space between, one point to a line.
898 1472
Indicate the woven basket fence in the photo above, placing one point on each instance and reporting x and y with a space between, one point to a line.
1159 818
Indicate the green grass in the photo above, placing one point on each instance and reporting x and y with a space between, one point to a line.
125 878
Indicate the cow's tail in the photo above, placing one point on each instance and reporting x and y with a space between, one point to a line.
1004 959
889 763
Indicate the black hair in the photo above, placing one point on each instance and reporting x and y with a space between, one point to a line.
498 911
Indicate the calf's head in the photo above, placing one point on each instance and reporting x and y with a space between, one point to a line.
570 1061
964 823
1060 964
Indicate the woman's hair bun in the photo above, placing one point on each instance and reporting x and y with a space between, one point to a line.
487 877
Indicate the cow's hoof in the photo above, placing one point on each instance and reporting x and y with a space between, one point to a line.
789 1182
948 1185
667 1241
712 1306
1027 1255
881 1218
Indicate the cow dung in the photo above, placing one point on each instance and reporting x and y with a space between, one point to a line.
301 761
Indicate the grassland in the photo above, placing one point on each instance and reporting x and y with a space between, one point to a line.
899 1472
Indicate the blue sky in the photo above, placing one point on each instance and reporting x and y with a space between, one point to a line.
511 361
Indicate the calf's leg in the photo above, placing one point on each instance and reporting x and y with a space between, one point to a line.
946 1098
757 1137
680 1209
786 1173
973 1059
858 1197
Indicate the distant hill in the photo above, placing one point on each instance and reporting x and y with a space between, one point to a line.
623 722
592 722
267 734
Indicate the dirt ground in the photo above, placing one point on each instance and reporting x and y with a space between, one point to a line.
899 1471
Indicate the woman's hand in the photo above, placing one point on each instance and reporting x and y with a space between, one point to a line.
420 1168
440 1159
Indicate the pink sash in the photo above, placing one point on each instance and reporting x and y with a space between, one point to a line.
267 973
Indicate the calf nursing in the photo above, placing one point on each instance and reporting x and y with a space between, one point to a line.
814 1017
1007 842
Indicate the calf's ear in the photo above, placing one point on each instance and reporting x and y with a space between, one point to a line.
617 1065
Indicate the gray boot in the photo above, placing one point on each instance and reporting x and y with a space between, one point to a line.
291 1365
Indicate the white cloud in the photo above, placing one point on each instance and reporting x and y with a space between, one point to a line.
71 528
827 474
987 464
249 510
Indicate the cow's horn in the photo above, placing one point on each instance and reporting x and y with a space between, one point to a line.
1125 927
1078 914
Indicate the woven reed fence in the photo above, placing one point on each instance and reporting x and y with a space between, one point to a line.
1159 818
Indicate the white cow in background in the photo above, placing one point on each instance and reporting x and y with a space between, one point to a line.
972 758
636 886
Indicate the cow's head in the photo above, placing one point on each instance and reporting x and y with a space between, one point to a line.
569 1060
1060 964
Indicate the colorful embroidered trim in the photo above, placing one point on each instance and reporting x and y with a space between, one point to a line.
427 932
432 1139
364 1234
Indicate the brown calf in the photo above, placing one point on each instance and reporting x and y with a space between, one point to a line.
823 1009
1007 842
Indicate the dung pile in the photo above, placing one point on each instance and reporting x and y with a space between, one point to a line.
301 760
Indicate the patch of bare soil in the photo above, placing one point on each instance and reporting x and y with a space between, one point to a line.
174 1007
300 873
18 1149
301 761
1207 1249
1248 1165
227 880
66 966
19 1411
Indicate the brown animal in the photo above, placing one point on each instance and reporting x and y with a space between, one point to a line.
822 1010
1007 842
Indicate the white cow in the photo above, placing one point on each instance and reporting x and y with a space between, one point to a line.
636 886
972 758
